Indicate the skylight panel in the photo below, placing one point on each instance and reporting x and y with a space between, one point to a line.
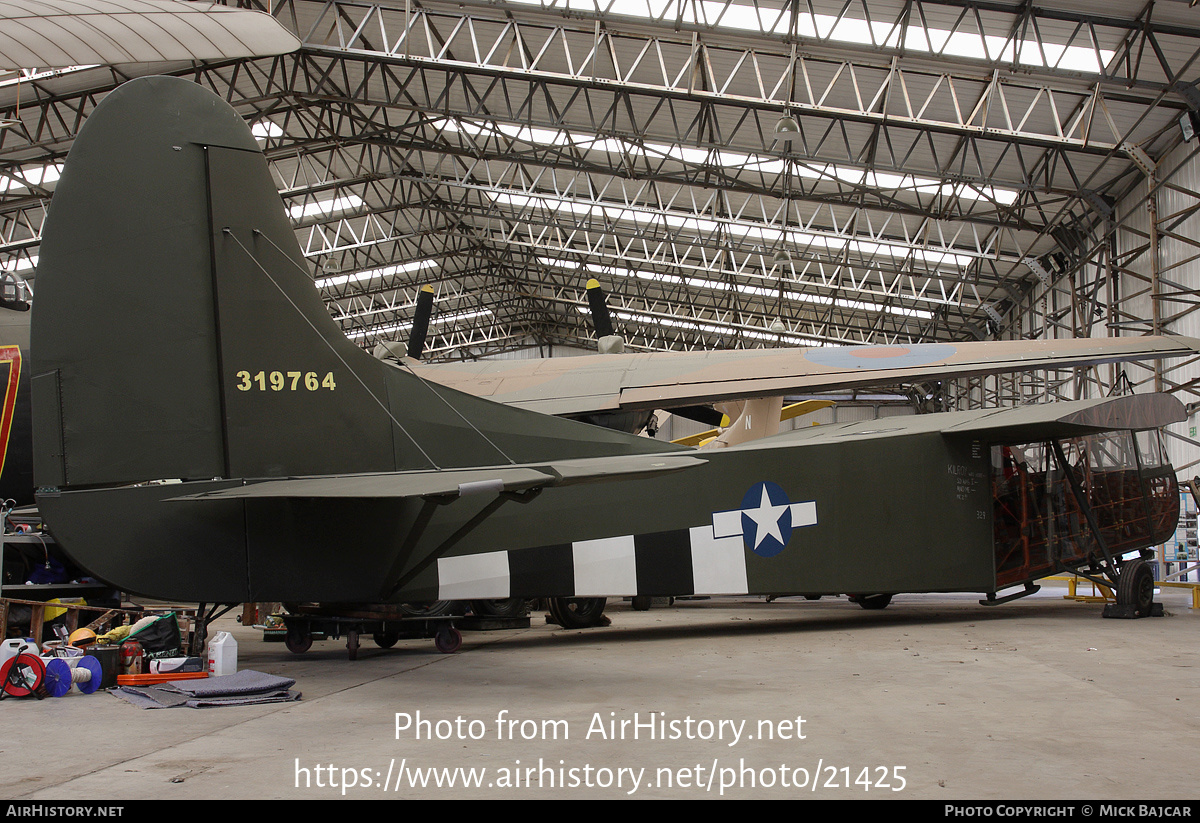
32 176
21 264
845 29
768 236
741 288
385 271
345 203
764 163
435 320
710 327
598 270
265 128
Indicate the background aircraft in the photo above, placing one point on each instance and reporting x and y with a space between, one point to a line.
70 33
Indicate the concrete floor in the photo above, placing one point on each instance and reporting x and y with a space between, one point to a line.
1037 699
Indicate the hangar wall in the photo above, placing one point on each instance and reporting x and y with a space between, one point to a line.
1168 221
1141 251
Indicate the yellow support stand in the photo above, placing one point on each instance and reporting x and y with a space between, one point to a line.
1106 594
1195 587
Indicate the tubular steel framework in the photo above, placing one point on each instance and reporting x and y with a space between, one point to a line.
948 170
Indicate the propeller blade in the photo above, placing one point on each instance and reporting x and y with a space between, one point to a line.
420 329
601 320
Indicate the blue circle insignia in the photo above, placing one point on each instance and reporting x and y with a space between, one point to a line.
766 519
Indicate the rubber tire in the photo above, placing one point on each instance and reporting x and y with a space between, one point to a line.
448 641
509 607
641 603
873 601
385 640
577 612
1135 587
297 641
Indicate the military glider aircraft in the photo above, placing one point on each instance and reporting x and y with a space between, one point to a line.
203 431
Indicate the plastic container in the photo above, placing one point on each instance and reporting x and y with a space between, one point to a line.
110 662
10 647
178 665
222 655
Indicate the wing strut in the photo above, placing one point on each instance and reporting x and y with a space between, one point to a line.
418 528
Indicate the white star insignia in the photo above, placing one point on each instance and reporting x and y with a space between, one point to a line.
766 519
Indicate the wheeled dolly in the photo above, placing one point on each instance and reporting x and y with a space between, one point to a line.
385 632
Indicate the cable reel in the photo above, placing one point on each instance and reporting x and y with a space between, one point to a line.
23 675
82 672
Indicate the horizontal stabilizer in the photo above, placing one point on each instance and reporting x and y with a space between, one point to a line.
459 482
1072 418
1025 424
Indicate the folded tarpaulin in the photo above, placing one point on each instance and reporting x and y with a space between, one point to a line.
245 688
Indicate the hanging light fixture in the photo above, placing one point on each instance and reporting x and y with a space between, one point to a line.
787 129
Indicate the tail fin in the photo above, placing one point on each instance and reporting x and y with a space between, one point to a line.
177 332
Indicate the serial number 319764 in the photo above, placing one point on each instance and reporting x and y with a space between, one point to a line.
279 381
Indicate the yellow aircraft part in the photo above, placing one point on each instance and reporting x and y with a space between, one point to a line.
803 407
697 439
788 412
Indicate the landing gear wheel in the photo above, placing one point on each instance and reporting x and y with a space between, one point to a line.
510 607
577 612
385 640
434 608
448 640
872 601
1135 587
641 603
297 641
